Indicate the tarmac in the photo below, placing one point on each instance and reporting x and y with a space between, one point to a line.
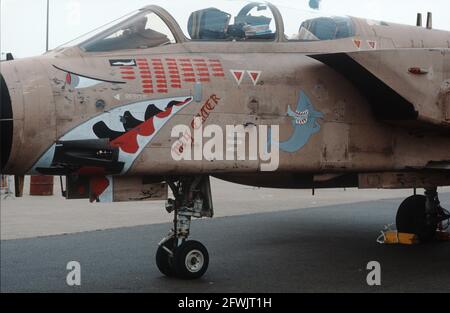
262 240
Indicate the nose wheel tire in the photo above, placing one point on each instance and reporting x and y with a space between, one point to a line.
412 218
164 260
191 260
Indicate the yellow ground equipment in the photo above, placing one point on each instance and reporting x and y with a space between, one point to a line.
389 236
394 237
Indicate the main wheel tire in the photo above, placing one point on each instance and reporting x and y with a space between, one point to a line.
164 260
411 218
191 260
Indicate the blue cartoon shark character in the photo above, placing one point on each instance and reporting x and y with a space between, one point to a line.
304 121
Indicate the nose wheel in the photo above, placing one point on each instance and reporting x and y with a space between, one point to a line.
421 215
190 260
176 256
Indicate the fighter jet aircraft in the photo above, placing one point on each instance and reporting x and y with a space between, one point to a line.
316 102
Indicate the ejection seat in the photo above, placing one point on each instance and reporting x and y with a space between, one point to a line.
208 24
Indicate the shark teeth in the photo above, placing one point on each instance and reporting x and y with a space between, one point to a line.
302 117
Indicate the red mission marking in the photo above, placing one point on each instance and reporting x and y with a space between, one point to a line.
216 67
175 79
160 76
146 76
129 77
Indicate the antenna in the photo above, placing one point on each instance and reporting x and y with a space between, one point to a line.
48 26
419 19
430 20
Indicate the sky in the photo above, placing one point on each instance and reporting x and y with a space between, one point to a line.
23 22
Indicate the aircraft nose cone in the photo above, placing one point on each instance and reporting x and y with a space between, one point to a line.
6 124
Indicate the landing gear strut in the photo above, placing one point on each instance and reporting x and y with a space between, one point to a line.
176 256
421 215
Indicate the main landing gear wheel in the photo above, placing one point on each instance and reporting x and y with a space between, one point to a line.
412 218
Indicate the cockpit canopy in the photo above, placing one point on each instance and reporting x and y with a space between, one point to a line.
214 24
326 28
142 31
153 27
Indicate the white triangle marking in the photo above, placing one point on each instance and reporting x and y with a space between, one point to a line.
258 75
238 79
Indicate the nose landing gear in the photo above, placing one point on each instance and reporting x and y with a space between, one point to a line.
421 215
176 256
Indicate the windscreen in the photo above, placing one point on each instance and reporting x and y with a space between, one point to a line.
142 31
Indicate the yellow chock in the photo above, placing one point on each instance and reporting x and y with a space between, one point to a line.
394 237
